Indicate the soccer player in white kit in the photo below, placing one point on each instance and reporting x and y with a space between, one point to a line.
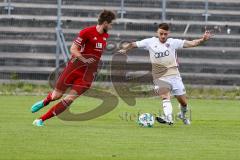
166 76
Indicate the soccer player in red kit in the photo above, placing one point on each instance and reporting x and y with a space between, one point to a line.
78 74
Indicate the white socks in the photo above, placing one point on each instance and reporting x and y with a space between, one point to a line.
184 110
167 109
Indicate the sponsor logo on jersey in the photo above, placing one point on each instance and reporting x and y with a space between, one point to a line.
161 54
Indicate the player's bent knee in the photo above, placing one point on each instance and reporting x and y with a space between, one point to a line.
68 101
70 98
164 96
56 95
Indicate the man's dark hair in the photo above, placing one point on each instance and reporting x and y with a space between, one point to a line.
106 15
164 26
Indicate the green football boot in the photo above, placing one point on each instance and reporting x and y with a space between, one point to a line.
37 106
38 123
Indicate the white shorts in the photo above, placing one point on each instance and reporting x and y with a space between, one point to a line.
174 83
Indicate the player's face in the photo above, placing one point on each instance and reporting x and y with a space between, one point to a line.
162 35
107 26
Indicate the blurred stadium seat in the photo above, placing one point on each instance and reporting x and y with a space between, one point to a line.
28 39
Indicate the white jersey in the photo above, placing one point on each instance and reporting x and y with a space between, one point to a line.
162 55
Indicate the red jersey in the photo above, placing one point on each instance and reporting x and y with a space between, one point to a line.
91 42
79 75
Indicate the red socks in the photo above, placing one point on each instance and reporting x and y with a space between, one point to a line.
56 109
48 99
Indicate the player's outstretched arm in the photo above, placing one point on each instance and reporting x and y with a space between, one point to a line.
75 51
127 47
206 36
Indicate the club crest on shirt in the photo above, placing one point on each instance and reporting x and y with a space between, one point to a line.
95 38
99 45
104 38
167 45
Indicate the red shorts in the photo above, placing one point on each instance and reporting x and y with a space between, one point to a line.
77 76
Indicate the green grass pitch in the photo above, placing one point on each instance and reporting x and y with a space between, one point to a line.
213 135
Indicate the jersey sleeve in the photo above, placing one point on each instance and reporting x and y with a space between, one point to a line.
143 43
177 43
81 39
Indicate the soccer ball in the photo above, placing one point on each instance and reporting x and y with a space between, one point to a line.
146 120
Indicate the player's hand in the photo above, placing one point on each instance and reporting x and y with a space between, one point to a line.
88 60
207 35
85 60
